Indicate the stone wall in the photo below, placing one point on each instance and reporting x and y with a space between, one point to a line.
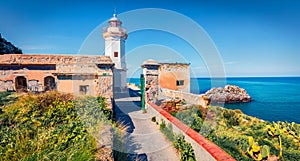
69 73
83 85
174 76
150 72
105 86
151 87
35 86
105 89
79 68
204 149
34 79
6 85
52 59
188 97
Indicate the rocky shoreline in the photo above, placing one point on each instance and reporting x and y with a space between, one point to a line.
228 94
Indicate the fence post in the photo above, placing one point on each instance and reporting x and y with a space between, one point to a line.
142 80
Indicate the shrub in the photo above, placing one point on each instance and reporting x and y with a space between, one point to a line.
191 117
186 150
7 98
167 130
50 126
153 119
231 118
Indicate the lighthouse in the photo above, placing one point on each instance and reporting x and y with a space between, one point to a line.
115 35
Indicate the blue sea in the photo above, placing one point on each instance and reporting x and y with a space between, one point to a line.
274 98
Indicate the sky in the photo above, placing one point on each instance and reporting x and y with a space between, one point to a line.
251 37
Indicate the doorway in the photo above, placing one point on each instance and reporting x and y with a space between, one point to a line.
49 83
21 84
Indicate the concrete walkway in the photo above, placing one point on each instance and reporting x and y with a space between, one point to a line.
144 141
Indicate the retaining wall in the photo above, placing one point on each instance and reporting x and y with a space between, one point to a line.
204 149
188 97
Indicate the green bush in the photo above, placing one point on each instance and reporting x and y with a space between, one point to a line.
191 117
51 126
186 150
153 119
231 118
7 98
167 130
231 128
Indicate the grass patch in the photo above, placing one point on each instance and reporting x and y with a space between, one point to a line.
52 126
7 98
232 130
185 149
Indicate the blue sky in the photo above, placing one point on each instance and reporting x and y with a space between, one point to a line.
253 37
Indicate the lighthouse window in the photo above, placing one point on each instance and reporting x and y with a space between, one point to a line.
116 54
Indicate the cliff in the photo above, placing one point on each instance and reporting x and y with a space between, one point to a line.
8 48
228 94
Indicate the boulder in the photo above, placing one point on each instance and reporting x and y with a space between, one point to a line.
228 94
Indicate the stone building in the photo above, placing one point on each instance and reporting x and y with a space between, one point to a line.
80 75
174 76
170 76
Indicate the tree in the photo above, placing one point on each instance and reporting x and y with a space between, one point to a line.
7 47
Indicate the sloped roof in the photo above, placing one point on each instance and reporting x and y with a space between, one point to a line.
41 59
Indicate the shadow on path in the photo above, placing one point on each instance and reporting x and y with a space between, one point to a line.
143 140
122 107
123 118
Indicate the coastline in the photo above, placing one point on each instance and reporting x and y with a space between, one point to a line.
271 96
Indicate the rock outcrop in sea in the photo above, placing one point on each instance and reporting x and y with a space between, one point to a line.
228 94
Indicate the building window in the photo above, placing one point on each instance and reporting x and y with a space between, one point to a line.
83 89
116 54
180 82
64 77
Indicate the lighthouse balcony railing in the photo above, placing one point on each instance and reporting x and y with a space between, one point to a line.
117 30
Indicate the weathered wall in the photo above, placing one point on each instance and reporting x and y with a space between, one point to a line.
35 85
164 75
105 87
204 149
65 86
34 79
170 73
6 85
99 79
150 72
119 80
151 86
76 71
51 59
188 97
91 86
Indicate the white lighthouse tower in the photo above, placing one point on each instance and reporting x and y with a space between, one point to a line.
115 36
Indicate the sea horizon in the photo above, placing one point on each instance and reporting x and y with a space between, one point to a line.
287 76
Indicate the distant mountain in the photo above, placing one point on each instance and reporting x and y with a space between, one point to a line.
8 48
